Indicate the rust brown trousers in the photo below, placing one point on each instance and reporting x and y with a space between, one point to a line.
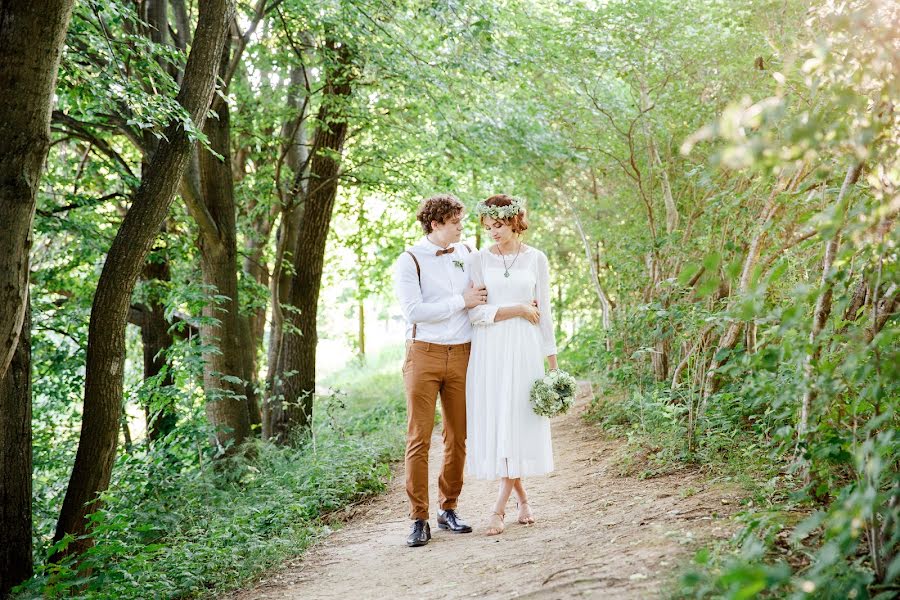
428 371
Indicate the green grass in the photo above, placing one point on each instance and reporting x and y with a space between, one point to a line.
177 527
656 433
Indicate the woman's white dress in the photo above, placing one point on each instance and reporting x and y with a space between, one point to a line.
505 438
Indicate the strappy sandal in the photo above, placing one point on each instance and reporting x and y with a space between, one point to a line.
525 520
492 530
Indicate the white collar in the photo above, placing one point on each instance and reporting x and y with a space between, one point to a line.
429 245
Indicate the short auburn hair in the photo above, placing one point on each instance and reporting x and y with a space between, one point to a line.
518 222
438 208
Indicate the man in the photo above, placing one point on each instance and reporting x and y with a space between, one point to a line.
434 292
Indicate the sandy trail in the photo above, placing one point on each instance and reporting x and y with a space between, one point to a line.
598 535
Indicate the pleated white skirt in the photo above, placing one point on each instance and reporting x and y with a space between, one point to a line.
505 438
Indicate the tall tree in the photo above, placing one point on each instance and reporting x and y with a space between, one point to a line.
31 41
229 361
295 155
214 211
109 312
15 465
298 354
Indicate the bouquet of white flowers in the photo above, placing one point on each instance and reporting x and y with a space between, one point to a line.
554 394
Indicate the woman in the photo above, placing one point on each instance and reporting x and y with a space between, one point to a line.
512 334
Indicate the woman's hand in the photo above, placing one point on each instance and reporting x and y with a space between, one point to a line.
530 313
554 365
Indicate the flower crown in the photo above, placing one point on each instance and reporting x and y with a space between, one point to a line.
501 212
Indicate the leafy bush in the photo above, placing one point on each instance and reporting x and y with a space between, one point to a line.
176 524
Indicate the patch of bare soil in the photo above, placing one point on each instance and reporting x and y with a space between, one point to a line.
597 535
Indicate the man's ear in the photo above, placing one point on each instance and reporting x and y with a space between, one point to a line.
434 225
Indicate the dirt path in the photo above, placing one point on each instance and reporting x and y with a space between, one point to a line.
597 535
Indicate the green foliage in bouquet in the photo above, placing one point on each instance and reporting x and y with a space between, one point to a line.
554 394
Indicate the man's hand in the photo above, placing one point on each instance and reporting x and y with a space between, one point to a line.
475 296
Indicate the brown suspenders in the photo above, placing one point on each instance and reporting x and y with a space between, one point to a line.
419 275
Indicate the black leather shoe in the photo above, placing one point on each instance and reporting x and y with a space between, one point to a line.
448 519
420 533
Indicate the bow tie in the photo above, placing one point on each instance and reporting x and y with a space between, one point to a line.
445 251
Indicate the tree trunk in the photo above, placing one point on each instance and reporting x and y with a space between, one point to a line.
106 331
224 359
296 155
750 337
126 430
823 302
733 332
299 345
249 371
15 464
602 298
253 326
672 216
156 339
659 358
281 283
857 301
32 33
256 269
697 348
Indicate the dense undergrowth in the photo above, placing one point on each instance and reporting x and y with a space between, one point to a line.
178 524
807 521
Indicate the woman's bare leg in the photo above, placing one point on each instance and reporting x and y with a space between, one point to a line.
495 523
526 517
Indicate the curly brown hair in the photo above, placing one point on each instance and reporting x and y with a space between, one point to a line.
438 208
519 222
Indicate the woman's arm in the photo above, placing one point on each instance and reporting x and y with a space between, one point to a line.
548 337
552 360
524 311
484 314
488 314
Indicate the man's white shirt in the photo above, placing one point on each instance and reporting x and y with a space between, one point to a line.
437 308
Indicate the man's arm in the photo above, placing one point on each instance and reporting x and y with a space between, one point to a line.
409 293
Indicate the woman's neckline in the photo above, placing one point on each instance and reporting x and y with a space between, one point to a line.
523 250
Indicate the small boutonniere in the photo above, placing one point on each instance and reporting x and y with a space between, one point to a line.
460 264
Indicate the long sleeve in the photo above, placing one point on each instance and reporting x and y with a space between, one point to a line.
483 314
548 337
409 294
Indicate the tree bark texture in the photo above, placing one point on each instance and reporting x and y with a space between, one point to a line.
32 33
273 413
16 562
296 156
226 398
659 359
299 344
129 250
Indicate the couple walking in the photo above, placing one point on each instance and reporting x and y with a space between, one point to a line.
478 330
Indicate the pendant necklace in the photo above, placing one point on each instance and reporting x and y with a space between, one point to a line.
503 256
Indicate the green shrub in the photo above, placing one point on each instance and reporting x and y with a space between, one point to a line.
175 524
